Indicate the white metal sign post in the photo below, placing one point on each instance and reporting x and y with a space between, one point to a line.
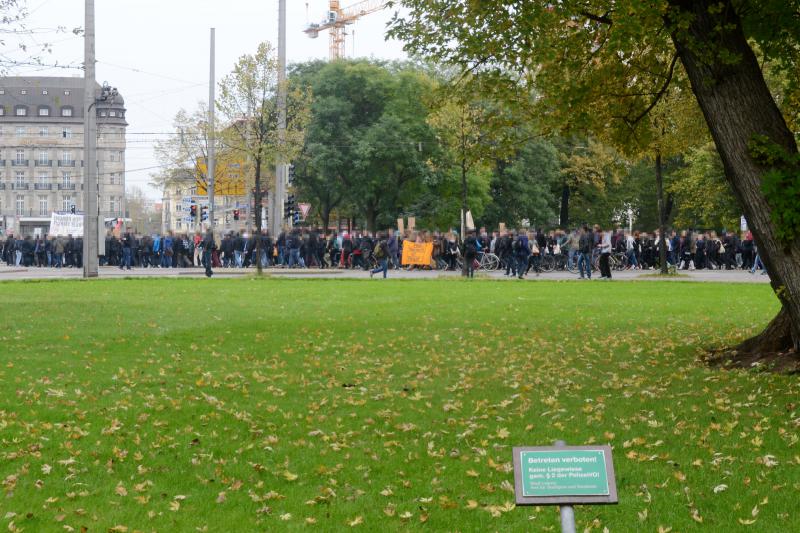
565 476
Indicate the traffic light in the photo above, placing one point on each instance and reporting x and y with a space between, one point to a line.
288 207
72 209
193 211
296 218
235 214
290 174
204 213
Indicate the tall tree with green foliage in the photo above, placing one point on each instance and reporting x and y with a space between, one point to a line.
473 130
368 139
248 101
703 199
523 187
621 55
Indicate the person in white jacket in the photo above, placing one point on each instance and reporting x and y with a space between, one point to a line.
605 255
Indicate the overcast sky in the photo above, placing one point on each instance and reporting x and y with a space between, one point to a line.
156 52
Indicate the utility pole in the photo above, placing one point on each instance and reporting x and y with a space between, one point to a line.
212 155
280 168
90 208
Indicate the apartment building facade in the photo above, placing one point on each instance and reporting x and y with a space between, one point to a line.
41 152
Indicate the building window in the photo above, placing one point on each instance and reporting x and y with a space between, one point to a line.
20 132
2 91
2 111
112 113
44 178
20 160
44 111
67 133
20 179
66 93
113 206
23 91
66 111
44 132
66 179
44 158
21 111
67 201
43 208
66 158
20 205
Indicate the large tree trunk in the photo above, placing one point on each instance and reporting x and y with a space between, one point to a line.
259 222
325 215
372 217
662 215
464 270
737 106
563 218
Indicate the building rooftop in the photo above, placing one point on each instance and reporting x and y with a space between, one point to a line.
54 93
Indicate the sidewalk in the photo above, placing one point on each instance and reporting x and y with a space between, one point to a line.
21 273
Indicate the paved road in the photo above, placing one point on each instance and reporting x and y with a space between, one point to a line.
13 273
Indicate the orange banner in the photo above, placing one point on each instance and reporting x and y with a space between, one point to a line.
417 253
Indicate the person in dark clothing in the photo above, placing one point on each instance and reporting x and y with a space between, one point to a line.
700 252
505 251
145 250
585 247
77 252
311 250
127 248
209 245
470 254
347 249
381 253
226 248
68 259
522 251
266 249
394 249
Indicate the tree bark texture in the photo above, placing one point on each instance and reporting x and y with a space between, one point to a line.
564 213
259 222
662 215
738 106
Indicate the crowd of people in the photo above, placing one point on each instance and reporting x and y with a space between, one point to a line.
519 251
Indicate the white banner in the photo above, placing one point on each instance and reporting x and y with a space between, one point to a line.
66 224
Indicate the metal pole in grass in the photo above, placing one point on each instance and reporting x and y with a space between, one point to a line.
567 511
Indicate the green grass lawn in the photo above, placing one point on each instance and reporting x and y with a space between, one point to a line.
247 405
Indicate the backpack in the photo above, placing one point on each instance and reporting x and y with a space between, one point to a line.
378 251
471 247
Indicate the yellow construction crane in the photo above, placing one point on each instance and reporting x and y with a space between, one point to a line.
338 18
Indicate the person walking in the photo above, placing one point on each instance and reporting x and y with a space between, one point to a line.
470 254
127 245
605 255
522 251
381 254
585 245
208 245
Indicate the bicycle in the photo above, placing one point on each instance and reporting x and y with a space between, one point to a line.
488 262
